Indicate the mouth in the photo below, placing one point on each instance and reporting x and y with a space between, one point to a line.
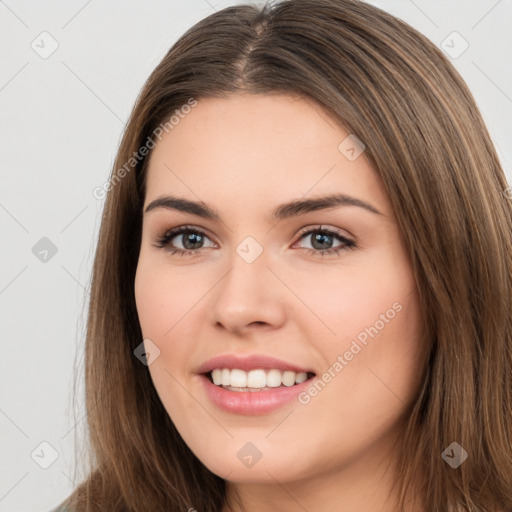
256 392
257 380
252 384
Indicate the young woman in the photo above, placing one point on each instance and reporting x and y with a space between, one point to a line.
301 297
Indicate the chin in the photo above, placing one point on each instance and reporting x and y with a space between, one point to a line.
237 466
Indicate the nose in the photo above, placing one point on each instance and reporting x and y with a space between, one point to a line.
249 296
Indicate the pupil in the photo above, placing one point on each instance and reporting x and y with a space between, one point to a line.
189 239
321 237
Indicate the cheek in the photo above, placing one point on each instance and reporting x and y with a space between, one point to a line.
160 298
165 303
159 310
367 385
377 360
345 304
151 305
374 318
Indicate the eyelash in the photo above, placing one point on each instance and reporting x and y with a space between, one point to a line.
163 241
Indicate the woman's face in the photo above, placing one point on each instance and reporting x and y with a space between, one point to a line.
263 287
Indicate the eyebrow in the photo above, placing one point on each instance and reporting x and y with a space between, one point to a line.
283 211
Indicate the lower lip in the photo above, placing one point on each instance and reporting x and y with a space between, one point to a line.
252 402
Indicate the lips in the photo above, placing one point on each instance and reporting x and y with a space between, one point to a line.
246 401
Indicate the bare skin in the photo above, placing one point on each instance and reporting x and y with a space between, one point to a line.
243 156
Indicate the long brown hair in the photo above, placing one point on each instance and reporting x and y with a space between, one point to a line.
391 87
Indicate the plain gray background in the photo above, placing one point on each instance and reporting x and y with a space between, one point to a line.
61 120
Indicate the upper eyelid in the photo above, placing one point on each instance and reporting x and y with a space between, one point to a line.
180 230
325 227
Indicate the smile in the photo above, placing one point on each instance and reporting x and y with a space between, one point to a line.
253 401
255 380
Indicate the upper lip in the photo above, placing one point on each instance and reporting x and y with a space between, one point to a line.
248 363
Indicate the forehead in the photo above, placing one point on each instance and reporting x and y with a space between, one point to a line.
246 148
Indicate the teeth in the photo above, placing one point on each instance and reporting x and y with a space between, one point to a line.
217 376
301 377
288 378
274 378
256 379
238 379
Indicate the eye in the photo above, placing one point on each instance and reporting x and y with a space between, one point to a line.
324 237
192 240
